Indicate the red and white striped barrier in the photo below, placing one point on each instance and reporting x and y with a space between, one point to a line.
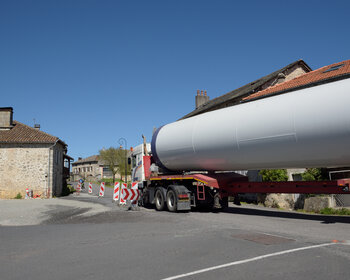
116 191
132 195
135 186
123 189
27 193
90 188
102 189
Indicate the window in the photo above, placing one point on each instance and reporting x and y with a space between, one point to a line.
133 161
333 68
107 172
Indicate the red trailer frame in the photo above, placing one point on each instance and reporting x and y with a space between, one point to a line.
233 183
215 188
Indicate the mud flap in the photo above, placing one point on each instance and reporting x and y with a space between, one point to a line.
184 205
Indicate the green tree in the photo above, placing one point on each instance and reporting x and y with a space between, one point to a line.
113 158
315 174
274 175
123 160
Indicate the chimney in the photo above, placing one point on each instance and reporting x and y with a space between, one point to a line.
201 98
6 118
37 126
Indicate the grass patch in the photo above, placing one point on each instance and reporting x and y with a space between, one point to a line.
328 211
332 211
109 182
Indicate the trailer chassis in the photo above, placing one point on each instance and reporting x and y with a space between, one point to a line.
181 192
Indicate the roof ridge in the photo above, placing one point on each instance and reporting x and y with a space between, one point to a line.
301 80
247 87
316 70
89 158
34 129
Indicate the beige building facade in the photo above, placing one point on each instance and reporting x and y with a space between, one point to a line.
90 168
30 158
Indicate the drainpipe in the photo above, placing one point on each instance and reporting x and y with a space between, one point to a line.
48 171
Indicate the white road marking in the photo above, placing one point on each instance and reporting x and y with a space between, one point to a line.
248 260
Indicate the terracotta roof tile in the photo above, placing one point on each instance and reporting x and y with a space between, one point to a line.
21 133
321 74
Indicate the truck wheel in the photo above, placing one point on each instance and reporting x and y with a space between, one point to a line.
160 201
220 203
144 201
171 200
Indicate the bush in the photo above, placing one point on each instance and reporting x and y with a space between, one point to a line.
67 190
274 175
18 196
315 174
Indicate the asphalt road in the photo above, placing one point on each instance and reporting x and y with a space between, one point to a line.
95 239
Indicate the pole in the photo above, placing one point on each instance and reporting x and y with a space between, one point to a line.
120 141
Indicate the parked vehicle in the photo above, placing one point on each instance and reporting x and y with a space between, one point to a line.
189 162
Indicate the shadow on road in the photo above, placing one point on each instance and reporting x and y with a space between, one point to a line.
288 215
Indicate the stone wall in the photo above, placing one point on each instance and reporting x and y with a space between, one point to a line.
87 170
279 200
315 204
27 166
288 74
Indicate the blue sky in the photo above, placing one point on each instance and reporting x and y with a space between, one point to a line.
91 72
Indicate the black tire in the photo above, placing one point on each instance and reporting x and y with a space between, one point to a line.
144 201
159 199
171 200
219 204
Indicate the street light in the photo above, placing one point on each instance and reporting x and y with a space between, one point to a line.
121 141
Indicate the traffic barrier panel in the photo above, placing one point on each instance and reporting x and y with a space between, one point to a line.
102 189
27 194
135 186
116 191
78 188
90 188
131 195
123 189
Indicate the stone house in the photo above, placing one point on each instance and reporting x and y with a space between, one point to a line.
92 169
294 76
30 158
